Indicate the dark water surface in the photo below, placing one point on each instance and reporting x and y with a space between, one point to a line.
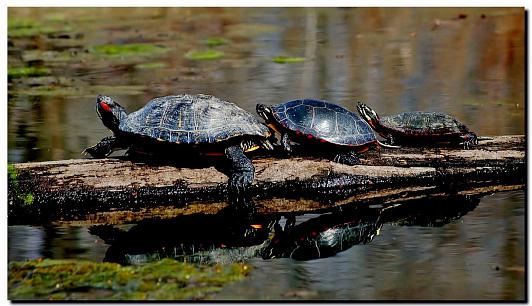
467 62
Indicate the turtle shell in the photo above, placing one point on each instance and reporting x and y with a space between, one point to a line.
324 121
192 119
423 124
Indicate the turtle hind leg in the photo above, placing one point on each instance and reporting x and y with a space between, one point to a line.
103 148
348 158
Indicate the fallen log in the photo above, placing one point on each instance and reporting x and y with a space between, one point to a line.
116 190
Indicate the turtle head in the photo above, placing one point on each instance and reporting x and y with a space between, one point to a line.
110 112
265 112
368 114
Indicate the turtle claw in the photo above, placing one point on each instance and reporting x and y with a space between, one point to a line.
92 151
240 182
239 200
471 140
95 152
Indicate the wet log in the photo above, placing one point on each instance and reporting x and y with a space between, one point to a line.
116 190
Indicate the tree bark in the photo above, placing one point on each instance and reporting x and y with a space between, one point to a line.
116 190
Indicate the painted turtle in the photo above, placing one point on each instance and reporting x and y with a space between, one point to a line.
320 123
419 128
199 123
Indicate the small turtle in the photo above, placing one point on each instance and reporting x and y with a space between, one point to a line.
192 123
320 123
419 128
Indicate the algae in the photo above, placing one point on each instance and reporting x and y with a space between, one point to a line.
128 49
215 41
155 65
204 55
81 91
166 279
20 72
30 28
287 59
12 173
13 185
51 56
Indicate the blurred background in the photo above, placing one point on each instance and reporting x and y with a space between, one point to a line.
468 62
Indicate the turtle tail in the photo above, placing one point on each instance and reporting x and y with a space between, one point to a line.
388 146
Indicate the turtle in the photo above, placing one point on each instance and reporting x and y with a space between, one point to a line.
185 123
416 128
322 236
320 124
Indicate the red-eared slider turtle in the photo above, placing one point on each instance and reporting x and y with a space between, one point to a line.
419 128
200 123
321 124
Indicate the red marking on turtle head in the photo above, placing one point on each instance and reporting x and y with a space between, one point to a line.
105 107
310 136
323 140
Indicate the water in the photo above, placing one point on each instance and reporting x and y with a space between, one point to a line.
467 62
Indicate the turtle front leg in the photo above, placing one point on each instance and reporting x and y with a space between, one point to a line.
285 142
103 148
348 158
242 170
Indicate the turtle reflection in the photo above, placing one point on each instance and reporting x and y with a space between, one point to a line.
192 238
220 239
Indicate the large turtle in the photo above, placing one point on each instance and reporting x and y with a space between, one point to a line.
321 124
419 128
193 123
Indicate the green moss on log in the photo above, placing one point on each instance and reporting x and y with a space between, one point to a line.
20 198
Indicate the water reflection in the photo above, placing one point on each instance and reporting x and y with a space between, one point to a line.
220 238
357 253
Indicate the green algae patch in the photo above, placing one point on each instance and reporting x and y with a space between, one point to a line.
29 28
157 65
80 91
20 72
204 55
166 279
215 41
287 59
128 50
51 56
